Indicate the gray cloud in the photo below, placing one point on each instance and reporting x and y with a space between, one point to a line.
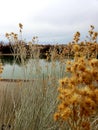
64 12
60 19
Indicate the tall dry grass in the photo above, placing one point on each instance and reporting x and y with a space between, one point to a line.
31 104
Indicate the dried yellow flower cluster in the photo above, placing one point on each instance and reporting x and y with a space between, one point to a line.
93 34
21 27
76 37
11 36
78 93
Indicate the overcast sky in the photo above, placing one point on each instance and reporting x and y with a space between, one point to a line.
53 21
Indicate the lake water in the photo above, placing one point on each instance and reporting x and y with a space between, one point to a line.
33 68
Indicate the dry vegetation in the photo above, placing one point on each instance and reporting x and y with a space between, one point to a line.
31 105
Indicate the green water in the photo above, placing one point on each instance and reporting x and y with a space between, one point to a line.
31 69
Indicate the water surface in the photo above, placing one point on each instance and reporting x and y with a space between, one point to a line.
31 68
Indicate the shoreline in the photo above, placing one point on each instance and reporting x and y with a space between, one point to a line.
14 80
